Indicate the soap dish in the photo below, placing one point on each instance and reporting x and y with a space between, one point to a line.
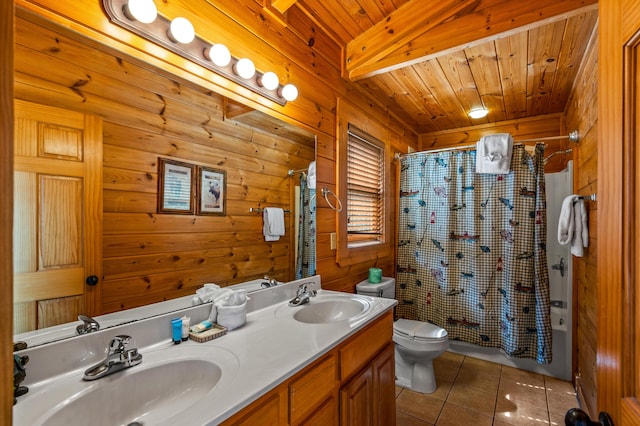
213 333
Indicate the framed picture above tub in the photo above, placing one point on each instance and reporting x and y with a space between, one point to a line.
212 191
176 193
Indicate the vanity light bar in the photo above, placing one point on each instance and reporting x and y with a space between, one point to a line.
196 51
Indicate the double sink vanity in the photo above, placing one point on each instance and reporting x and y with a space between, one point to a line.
327 361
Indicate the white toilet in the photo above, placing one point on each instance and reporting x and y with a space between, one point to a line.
417 343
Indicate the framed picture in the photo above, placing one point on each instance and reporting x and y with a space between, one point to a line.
176 193
212 191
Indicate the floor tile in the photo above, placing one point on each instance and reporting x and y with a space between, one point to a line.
487 367
517 392
472 375
453 415
474 399
403 419
520 414
442 390
560 396
522 376
422 406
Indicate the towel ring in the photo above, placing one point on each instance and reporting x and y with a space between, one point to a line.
325 193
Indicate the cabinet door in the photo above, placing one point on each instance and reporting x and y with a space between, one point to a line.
357 400
384 380
312 388
326 415
269 410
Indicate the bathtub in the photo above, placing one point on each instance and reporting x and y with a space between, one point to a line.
558 186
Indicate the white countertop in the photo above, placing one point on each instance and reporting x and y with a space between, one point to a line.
270 348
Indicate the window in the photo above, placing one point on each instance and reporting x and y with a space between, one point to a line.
365 188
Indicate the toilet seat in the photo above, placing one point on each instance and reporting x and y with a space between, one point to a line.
419 331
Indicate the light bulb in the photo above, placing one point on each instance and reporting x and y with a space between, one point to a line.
478 113
181 31
144 11
269 80
245 68
218 54
289 92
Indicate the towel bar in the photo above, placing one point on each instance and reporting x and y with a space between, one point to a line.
260 210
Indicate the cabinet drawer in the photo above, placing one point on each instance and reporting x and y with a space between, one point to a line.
309 391
365 345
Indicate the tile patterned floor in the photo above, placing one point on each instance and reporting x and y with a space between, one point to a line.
481 393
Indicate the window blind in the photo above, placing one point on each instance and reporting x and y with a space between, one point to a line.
365 178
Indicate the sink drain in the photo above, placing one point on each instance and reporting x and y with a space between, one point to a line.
135 424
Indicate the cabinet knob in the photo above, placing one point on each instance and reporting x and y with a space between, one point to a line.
92 280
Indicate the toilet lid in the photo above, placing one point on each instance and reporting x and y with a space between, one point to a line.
418 329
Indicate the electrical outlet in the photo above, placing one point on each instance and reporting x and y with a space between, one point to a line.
333 241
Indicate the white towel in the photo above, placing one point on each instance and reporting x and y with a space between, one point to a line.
311 176
273 218
493 154
572 225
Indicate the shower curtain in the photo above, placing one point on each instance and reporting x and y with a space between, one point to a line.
471 250
306 260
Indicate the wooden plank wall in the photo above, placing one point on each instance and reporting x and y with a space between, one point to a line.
582 113
150 257
166 116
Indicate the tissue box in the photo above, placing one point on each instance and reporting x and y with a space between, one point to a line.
232 317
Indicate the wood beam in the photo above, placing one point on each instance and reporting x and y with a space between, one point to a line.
282 5
399 28
480 22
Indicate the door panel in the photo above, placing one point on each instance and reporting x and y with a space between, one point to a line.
58 213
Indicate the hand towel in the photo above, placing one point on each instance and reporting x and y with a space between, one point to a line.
573 229
273 219
493 154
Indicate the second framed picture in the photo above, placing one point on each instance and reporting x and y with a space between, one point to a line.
212 191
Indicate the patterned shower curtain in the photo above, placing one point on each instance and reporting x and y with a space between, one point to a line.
471 250
306 260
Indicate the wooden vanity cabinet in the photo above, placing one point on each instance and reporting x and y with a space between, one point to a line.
353 384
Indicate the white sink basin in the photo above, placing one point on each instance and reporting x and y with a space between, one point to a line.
160 390
328 307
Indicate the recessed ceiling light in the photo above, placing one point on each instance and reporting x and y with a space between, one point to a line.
478 113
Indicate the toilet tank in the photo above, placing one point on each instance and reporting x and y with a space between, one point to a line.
386 288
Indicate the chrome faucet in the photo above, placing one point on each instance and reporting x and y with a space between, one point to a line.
88 325
118 358
269 282
302 296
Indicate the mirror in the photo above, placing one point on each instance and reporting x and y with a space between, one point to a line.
150 261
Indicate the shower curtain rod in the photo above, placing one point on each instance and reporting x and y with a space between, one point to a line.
573 137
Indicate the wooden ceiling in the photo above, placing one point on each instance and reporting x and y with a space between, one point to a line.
435 60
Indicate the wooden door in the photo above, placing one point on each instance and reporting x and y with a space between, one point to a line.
618 310
57 234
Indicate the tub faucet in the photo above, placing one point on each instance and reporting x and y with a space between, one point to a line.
118 358
88 325
560 266
302 296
